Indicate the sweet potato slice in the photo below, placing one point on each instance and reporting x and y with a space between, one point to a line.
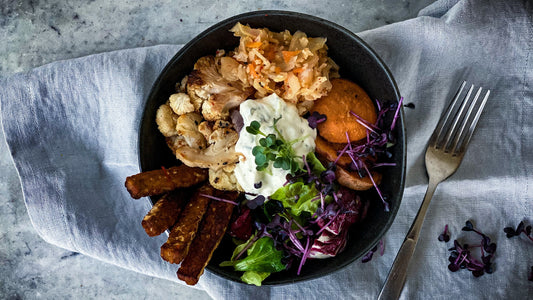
165 212
353 181
328 152
344 96
160 181
213 227
184 231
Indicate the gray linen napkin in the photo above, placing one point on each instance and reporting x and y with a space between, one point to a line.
71 127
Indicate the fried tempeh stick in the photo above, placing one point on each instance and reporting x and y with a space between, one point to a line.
165 212
184 231
212 230
163 180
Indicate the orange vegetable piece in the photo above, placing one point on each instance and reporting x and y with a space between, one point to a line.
344 96
328 151
296 71
251 67
287 55
254 44
353 181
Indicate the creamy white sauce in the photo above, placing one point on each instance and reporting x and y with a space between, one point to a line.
291 126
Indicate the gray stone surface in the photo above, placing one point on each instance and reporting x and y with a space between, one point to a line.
34 33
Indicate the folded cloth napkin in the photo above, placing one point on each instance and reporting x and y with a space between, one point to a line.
71 127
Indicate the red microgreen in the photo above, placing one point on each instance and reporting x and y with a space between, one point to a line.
342 153
521 229
444 237
378 140
324 231
385 203
461 256
363 122
409 105
368 257
315 118
219 199
396 114
255 202
304 256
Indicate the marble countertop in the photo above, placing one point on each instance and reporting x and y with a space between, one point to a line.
34 33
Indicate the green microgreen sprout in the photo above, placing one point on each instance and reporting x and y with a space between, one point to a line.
274 147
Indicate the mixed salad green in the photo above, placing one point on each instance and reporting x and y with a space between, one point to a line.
309 216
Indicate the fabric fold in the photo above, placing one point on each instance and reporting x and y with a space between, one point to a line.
71 127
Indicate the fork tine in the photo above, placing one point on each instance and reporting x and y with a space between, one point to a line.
442 121
473 125
465 119
451 132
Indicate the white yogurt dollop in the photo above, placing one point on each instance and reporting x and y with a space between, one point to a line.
291 126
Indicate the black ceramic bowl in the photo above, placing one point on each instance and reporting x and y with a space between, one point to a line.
357 61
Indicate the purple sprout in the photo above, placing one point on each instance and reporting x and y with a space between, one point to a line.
445 236
255 202
368 257
378 140
409 105
521 228
315 118
328 176
299 239
219 199
381 247
461 255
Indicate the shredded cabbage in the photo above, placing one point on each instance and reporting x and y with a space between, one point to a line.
295 67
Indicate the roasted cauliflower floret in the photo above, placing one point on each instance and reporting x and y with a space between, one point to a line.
181 87
175 142
221 124
232 70
206 129
223 180
180 103
215 94
222 137
207 158
187 127
219 154
166 120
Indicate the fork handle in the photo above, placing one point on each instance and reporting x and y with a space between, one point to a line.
395 280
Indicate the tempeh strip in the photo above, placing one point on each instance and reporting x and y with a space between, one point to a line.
165 212
160 181
212 230
184 231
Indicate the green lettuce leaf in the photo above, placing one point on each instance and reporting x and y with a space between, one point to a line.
296 198
314 164
253 277
262 257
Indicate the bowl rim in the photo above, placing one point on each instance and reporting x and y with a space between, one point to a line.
388 74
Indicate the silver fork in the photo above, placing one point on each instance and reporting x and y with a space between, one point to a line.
444 154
